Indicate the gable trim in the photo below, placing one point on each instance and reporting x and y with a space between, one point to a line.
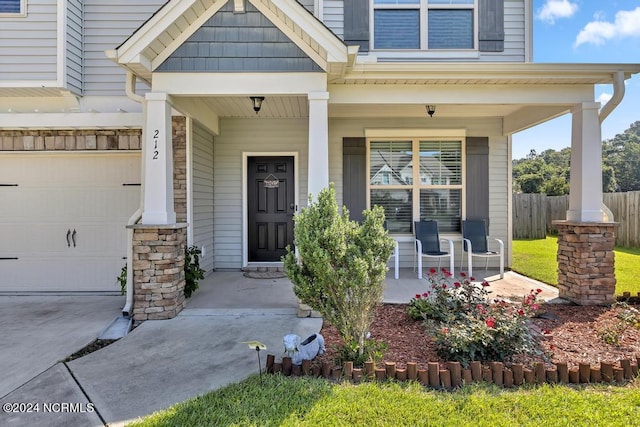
154 42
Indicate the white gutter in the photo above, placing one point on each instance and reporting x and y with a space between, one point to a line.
618 94
130 87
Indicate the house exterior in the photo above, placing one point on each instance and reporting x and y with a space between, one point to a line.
139 114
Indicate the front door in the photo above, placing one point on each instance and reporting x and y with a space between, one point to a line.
270 206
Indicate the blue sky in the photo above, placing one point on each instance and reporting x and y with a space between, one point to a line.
589 31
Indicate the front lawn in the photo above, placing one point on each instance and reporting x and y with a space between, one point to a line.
286 401
537 259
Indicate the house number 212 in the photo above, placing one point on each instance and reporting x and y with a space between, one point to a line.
156 133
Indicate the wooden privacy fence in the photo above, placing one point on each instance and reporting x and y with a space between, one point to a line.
533 215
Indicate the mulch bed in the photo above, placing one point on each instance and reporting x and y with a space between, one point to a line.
572 335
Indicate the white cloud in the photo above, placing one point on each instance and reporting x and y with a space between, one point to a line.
626 24
555 9
604 98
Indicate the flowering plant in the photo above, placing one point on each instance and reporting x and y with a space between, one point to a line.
467 326
447 298
494 330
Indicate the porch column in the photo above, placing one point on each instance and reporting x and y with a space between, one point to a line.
318 172
158 161
585 188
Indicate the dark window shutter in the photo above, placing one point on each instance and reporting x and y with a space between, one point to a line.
491 25
477 180
356 23
354 175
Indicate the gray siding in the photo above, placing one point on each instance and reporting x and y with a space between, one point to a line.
29 44
107 25
74 46
308 4
249 135
333 16
514 35
202 197
242 42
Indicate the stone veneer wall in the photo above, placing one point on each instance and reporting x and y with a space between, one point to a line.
69 140
179 137
158 271
586 274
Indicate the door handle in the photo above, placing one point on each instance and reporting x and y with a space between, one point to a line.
73 237
68 234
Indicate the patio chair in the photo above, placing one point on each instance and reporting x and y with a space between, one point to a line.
475 242
427 245
395 255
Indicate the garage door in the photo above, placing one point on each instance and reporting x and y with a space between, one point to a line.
63 218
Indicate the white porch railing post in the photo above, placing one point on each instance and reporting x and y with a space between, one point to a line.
318 142
585 191
158 161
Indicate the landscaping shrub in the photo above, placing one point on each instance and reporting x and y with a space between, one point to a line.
341 265
467 326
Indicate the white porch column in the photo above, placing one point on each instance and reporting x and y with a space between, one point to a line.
158 161
318 172
585 191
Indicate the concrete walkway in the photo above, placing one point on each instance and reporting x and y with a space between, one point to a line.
167 361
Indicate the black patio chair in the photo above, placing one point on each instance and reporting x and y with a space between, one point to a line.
427 245
475 242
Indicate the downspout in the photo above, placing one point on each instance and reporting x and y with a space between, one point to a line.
618 94
130 87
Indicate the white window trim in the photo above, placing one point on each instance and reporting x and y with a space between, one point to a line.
416 136
424 6
22 13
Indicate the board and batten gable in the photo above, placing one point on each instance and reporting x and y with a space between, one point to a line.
29 48
107 25
238 136
202 185
74 46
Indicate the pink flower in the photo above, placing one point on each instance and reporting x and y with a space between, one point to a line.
463 274
521 312
472 278
538 290
534 306
444 286
417 296
457 284
485 283
432 270
425 295
551 347
445 330
479 306
491 322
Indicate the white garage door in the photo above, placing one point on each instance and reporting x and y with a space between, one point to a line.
63 218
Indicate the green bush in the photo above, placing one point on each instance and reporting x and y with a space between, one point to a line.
341 266
466 326
192 270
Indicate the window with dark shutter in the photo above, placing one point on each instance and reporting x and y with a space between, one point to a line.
11 6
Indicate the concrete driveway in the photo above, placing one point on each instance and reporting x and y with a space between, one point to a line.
39 331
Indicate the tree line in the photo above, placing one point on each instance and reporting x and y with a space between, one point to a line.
548 172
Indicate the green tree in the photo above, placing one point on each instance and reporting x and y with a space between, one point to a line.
341 266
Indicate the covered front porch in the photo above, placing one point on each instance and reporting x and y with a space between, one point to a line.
231 292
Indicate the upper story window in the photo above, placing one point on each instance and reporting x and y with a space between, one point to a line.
424 24
12 7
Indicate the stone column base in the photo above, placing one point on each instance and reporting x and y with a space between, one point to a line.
158 271
586 274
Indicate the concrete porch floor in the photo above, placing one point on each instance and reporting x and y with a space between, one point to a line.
232 292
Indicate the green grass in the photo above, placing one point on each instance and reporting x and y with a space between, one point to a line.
285 401
537 259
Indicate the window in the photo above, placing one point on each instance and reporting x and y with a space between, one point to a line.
423 24
416 180
11 6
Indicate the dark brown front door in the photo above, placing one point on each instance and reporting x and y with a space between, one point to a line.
270 210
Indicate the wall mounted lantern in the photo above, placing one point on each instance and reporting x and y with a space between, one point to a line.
257 102
431 109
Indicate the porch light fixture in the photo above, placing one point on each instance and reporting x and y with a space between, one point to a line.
257 102
431 109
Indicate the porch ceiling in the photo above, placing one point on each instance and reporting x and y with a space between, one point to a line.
295 107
